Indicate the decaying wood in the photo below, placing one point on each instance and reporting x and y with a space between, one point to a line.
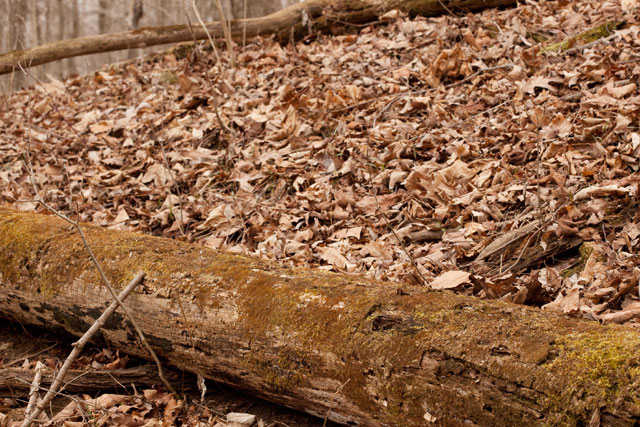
294 336
520 248
15 381
586 37
296 21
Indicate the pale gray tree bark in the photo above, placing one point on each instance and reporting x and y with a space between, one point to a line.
61 35
29 23
17 35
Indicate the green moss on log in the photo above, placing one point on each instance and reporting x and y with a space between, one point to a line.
602 365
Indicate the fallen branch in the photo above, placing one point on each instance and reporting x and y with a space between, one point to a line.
13 380
96 264
33 389
325 14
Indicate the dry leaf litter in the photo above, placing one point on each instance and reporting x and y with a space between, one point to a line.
453 152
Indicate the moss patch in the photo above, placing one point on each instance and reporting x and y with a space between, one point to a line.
601 366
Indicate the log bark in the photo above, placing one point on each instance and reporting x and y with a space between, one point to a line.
294 21
365 352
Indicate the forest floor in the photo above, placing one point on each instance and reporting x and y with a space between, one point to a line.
469 152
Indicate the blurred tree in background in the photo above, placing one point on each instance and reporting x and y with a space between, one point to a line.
30 23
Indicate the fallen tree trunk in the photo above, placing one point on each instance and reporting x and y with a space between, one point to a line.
296 21
364 352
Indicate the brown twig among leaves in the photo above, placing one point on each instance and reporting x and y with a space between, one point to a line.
215 102
204 27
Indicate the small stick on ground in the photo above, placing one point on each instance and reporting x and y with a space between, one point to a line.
78 346
35 385
204 27
333 397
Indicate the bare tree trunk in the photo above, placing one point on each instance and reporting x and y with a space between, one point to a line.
160 13
363 352
258 8
35 19
229 13
75 33
135 14
104 24
61 35
6 26
47 19
17 36
5 42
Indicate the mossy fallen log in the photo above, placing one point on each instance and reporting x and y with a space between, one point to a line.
293 22
364 352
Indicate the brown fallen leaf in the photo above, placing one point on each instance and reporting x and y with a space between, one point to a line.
332 256
450 280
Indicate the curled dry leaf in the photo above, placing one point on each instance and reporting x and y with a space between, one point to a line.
450 280
332 256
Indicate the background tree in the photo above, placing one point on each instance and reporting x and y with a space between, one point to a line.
31 23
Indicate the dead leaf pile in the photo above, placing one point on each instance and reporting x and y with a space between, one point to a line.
503 169
151 408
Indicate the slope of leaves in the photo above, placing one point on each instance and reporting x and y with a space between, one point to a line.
452 151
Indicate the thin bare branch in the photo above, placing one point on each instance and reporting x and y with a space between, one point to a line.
79 345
